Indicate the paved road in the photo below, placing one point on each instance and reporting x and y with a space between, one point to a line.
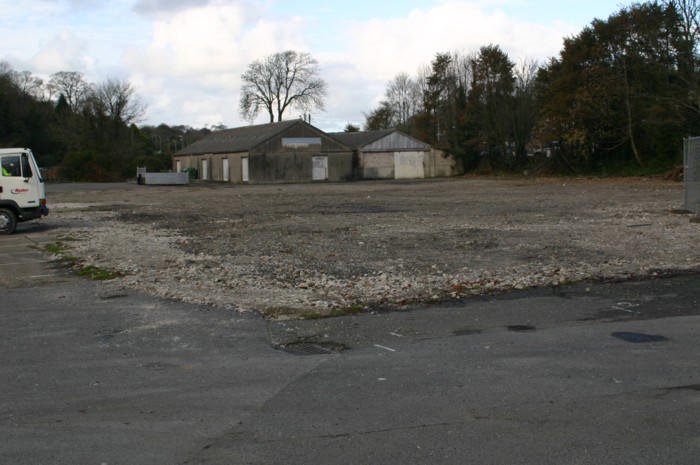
93 374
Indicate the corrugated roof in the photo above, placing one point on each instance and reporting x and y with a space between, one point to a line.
379 140
240 139
356 140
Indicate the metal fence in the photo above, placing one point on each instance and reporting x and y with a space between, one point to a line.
691 173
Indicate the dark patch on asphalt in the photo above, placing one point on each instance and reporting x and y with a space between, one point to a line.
690 387
106 335
638 338
113 295
353 208
521 328
158 366
466 331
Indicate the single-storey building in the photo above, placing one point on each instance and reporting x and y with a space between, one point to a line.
391 154
287 151
295 151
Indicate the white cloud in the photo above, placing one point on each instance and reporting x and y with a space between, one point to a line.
200 40
185 57
385 48
156 8
63 51
198 54
379 49
217 38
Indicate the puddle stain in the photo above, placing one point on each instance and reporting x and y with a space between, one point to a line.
638 338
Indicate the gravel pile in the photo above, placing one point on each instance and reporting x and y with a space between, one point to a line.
295 250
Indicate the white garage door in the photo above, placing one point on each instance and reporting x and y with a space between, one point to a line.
408 165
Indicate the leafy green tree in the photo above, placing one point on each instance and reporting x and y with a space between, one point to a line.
484 122
492 88
437 101
612 97
24 120
380 118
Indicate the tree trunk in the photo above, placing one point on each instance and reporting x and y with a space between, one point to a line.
630 130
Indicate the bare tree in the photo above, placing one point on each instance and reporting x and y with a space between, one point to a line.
71 85
422 75
462 68
404 96
5 68
28 83
119 102
280 81
688 12
524 106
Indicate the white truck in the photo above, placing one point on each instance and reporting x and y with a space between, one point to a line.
22 189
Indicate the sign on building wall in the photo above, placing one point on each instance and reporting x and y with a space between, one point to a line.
301 142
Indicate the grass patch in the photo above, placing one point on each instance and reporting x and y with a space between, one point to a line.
89 271
439 298
313 316
336 312
680 211
345 311
56 249
96 273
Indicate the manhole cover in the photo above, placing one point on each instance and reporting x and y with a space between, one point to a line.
303 348
638 338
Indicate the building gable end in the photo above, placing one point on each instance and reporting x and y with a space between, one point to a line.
395 141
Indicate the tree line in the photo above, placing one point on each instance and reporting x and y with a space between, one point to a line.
88 130
619 98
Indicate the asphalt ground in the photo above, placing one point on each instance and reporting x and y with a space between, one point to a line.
586 374
23 258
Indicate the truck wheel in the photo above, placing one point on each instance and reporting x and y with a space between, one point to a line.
8 221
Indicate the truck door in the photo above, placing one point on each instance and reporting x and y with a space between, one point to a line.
18 181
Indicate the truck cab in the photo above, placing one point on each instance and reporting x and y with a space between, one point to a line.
22 189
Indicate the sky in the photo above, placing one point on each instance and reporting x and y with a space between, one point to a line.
185 57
